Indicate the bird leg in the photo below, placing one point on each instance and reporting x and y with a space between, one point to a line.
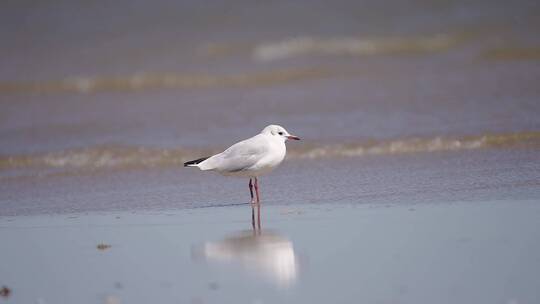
253 182
257 190
251 192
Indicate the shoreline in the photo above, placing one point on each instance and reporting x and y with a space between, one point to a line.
458 176
247 207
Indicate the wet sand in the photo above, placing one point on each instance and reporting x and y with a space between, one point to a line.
462 252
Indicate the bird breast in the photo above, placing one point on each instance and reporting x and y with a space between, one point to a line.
271 160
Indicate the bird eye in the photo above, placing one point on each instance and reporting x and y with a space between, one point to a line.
280 133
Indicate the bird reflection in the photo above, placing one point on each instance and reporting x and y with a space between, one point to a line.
256 224
264 253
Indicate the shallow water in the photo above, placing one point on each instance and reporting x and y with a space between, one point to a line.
483 252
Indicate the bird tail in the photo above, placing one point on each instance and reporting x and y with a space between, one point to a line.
194 163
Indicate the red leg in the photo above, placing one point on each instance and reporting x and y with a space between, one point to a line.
257 190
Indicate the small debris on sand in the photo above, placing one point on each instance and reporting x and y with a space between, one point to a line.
5 292
102 246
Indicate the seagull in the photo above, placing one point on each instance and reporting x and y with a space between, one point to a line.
251 158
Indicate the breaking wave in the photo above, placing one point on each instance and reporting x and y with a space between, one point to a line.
117 157
338 46
422 145
354 46
263 51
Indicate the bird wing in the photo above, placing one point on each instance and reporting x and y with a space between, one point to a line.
240 156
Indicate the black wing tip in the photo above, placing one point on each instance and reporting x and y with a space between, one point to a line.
194 162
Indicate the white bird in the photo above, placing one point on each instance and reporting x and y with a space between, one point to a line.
251 158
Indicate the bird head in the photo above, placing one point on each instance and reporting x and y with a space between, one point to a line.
280 132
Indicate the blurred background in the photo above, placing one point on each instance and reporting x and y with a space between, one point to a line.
88 86
187 73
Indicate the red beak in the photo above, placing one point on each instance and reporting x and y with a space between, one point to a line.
293 137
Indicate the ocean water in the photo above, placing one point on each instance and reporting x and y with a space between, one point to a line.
129 90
